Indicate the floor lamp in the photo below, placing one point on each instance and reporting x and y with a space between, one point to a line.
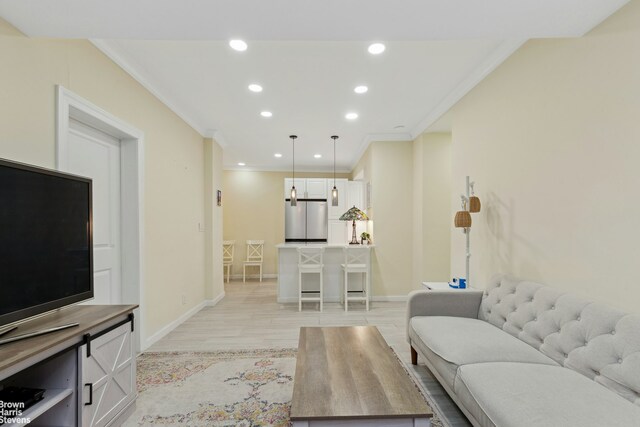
470 204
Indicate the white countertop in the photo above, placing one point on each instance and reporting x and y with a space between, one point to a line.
317 245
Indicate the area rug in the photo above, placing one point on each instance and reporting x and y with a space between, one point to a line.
446 413
224 388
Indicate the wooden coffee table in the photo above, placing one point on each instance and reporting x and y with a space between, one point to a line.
350 376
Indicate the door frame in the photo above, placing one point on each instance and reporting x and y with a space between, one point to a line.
71 106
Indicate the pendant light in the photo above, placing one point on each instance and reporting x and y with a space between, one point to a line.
294 195
334 191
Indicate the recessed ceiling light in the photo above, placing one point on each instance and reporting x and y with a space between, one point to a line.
254 87
351 116
238 45
241 164
278 155
266 113
399 127
376 48
361 89
317 156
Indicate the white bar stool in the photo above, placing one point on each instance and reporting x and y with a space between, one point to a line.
357 260
227 256
310 260
255 250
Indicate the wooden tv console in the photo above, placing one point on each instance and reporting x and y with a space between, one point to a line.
88 371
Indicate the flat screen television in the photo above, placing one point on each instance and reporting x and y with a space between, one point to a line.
46 248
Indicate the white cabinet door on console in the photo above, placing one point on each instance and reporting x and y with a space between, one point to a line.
316 188
108 376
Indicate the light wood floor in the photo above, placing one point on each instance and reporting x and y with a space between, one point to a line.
249 317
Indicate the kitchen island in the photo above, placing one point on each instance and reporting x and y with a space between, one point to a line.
333 275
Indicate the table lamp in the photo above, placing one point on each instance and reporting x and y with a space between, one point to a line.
354 214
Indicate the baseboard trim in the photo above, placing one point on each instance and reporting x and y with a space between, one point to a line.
183 318
216 300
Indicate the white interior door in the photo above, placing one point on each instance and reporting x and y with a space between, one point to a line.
95 154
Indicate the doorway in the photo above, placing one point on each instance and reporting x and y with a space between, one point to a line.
96 155
93 143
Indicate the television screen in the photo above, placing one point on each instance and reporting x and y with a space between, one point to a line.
45 240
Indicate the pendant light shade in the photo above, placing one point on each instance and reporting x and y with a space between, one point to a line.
474 201
294 193
334 191
474 204
462 219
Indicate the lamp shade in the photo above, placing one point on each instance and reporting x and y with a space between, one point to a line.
462 219
334 196
294 193
354 214
474 204
334 191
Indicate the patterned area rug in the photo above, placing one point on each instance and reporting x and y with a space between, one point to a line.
225 388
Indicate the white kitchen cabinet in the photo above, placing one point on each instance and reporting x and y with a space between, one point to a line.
355 195
338 232
108 376
336 211
316 188
307 188
301 187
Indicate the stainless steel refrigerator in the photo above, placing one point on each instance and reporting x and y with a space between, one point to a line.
306 222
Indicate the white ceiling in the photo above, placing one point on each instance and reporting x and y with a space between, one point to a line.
308 56
306 19
308 86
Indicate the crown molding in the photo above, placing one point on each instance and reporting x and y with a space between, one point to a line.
217 136
111 53
279 169
497 57
371 137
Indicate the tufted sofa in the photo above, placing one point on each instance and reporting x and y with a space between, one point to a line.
523 354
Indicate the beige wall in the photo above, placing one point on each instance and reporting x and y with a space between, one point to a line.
431 203
392 215
214 285
410 188
174 249
253 204
552 140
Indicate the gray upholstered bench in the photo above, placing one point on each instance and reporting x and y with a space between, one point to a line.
523 354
